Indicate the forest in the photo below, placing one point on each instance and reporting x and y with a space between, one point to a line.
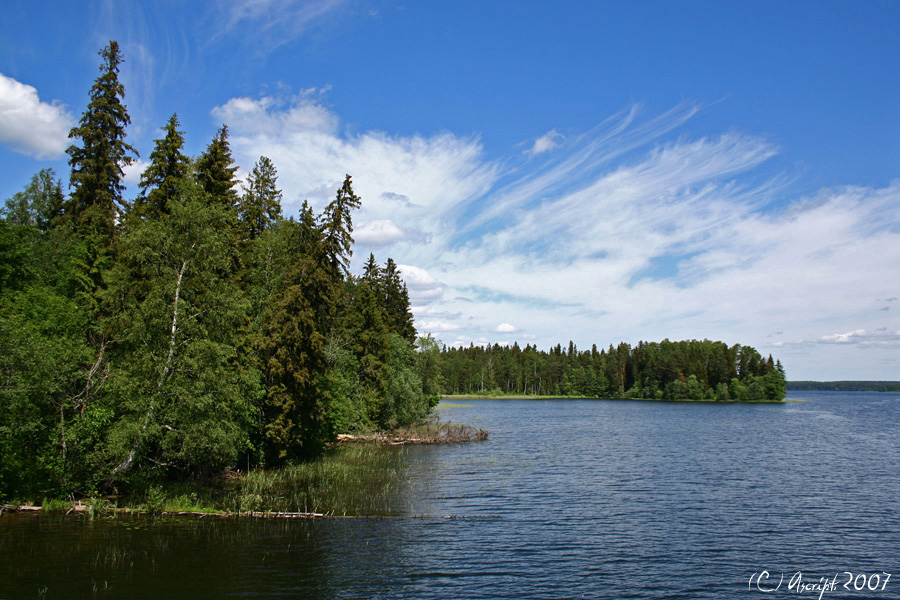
193 327
190 328
684 370
845 386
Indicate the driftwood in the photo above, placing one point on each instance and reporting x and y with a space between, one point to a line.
446 433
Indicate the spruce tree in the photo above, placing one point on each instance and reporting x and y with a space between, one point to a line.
337 227
168 167
215 172
260 204
98 159
396 302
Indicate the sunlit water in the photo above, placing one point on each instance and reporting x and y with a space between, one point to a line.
567 499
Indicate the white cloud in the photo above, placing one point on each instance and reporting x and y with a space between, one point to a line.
380 232
30 126
133 172
506 328
417 183
622 234
546 142
436 327
268 116
845 338
423 287
275 22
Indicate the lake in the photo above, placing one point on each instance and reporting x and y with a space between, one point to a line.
567 499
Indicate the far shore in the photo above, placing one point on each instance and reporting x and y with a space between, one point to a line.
453 397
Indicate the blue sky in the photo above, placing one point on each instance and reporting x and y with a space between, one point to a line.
593 171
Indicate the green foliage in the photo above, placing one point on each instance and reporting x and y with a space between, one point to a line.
39 204
168 167
44 393
215 172
197 334
185 397
686 370
98 161
337 228
291 347
406 402
260 204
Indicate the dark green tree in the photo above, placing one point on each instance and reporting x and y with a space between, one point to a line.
161 180
291 346
215 172
260 204
337 227
100 152
395 297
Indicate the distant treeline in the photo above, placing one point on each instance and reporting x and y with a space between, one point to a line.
845 386
684 370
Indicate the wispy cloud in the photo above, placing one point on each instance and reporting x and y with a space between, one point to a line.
623 233
274 22
29 125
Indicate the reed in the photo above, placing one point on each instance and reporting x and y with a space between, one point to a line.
348 481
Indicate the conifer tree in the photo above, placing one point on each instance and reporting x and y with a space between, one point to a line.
292 346
98 160
216 173
168 167
260 204
396 302
337 227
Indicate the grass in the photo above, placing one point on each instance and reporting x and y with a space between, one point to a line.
361 476
354 480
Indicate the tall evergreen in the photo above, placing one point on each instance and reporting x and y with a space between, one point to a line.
100 151
337 227
215 171
168 167
396 302
260 204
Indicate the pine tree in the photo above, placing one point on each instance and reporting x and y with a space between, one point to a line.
337 227
292 345
215 172
396 302
168 167
98 161
260 204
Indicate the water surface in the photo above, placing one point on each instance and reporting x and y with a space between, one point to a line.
567 499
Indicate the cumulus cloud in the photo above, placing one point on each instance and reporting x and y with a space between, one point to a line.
417 183
133 172
423 287
30 126
506 328
380 232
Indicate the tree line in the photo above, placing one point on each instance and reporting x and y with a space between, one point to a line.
845 386
190 328
683 370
